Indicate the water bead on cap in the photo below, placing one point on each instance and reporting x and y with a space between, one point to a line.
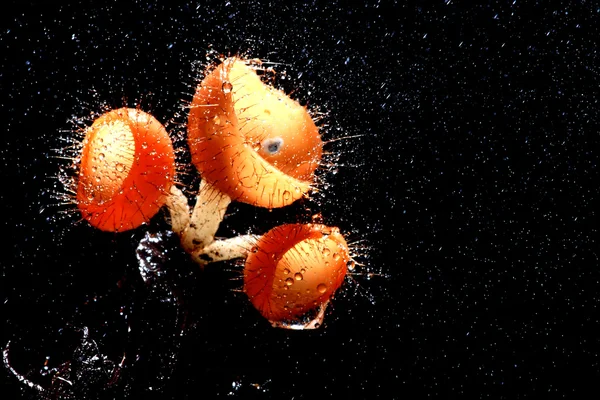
126 170
252 141
295 268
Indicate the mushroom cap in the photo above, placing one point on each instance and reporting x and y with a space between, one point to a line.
126 169
250 140
295 268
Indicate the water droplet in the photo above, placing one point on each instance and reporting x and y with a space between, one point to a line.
101 156
336 256
227 87
286 271
289 281
120 167
326 231
286 195
298 276
350 265
322 288
272 146
326 252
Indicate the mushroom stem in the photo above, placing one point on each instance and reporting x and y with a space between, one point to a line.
179 209
206 217
225 249
197 231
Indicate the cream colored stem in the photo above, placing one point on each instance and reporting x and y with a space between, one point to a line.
179 209
225 249
206 217
197 231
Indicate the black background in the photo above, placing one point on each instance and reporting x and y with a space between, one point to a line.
471 197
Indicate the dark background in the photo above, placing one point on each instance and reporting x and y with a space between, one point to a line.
470 196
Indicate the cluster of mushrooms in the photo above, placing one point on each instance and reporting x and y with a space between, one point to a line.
250 143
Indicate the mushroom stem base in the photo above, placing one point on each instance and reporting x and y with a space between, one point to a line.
225 249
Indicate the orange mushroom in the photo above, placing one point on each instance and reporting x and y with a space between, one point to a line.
126 170
294 269
251 141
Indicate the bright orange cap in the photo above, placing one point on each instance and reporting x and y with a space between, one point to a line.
252 141
127 168
295 268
